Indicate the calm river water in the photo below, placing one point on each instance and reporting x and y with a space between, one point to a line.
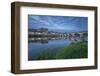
51 46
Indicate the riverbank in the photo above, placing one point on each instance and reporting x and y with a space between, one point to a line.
75 50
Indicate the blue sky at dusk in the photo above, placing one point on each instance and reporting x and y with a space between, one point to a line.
58 23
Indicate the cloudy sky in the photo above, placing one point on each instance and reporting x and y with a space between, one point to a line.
58 23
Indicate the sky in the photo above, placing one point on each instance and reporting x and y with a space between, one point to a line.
58 23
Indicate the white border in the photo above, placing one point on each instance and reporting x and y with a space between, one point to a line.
25 64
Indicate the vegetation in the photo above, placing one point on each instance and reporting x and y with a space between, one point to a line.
43 55
74 50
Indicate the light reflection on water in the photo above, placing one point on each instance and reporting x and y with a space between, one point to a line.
51 45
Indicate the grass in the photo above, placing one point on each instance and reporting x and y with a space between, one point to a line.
74 50
43 56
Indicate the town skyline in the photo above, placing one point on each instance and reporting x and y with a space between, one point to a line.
55 31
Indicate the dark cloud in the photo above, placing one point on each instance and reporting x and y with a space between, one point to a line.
58 23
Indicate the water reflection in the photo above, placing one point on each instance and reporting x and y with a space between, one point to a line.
51 43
